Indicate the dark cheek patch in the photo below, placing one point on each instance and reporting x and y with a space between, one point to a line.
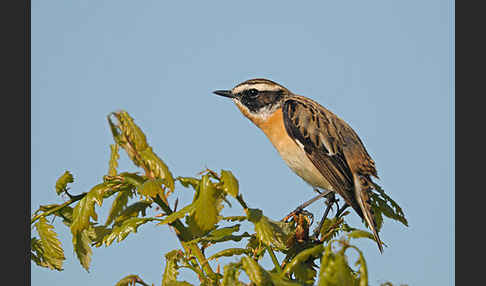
264 99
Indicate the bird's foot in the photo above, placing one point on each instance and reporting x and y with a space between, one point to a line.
330 200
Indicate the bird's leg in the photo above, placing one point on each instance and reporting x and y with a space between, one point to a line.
306 204
341 210
330 200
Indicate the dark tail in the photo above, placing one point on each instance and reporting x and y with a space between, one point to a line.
360 189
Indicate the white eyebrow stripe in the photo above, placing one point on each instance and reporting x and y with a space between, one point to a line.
258 86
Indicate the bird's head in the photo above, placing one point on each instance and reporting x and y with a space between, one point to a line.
257 98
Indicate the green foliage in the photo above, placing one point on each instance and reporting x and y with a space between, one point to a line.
130 280
382 204
207 205
47 250
113 164
199 225
63 181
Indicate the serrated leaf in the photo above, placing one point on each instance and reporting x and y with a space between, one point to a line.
97 234
363 269
85 210
36 252
133 210
270 232
178 214
358 233
120 232
382 204
157 167
207 205
331 228
282 281
131 138
235 218
219 234
230 183
61 183
229 252
52 252
151 188
189 181
82 248
302 258
133 179
171 268
335 270
131 131
119 203
130 280
231 274
113 163
255 272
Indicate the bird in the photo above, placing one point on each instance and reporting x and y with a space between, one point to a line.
316 144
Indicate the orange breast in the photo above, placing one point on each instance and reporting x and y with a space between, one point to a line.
293 154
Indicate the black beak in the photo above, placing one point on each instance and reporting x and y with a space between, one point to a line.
225 93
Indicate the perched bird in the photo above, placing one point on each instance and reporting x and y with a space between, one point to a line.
316 144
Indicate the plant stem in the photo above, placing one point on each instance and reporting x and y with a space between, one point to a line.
184 235
49 212
274 259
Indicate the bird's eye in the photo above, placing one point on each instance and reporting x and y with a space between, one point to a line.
252 92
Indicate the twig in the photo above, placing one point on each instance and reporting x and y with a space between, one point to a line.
49 212
274 259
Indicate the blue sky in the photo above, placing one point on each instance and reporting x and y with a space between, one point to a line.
386 67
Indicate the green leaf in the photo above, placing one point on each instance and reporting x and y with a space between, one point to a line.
61 183
151 188
335 270
113 163
235 218
382 204
178 283
229 252
52 252
302 259
82 248
120 232
178 214
132 210
230 183
36 252
131 138
157 167
221 234
255 272
189 181
118 205
130 280
331 228
231 274
207 205
171 268
131 131
97 234
269 232
358 233
363 269
85 210
282 281
133 179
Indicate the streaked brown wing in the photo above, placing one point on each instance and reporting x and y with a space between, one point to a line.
331 145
